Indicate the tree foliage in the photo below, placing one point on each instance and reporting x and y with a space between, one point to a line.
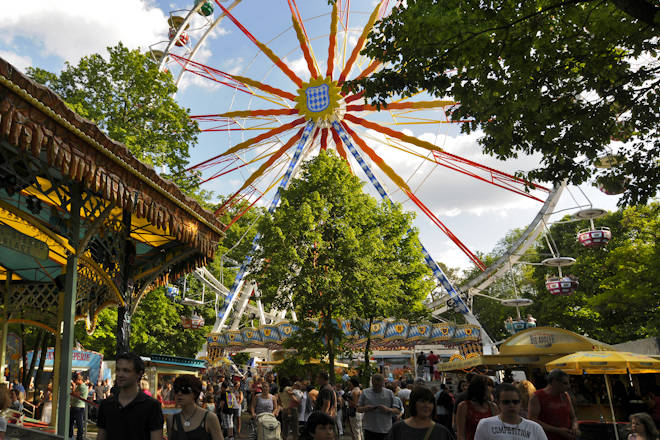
558 78
617 299
330 251
132 101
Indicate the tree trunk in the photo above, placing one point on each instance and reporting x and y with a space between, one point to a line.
331 349
123 329
33 362
42 364
367 348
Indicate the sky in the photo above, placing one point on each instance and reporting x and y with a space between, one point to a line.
48 34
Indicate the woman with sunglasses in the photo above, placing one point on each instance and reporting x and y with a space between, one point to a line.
193 422
508 425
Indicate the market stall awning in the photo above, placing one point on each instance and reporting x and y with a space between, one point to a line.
605 362
536 346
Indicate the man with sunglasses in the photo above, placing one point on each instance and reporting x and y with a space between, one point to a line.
130 414
508 425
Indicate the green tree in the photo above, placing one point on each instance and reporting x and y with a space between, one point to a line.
131 101
557 78
617 298
155 328
332 252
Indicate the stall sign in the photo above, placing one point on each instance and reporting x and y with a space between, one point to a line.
542 340
14 240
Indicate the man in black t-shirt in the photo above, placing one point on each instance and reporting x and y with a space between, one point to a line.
130 414
327 399
227 408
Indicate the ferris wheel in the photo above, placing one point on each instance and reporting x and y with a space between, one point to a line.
284 102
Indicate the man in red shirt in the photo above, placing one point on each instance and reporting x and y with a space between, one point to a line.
551 408
432 359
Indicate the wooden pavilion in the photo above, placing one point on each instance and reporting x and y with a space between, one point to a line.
84 225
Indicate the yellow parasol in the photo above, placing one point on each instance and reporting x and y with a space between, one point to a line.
605 362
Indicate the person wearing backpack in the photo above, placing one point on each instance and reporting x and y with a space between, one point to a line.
228 408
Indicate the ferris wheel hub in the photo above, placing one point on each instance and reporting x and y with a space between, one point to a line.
320 100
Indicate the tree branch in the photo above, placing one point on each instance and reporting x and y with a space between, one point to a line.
642 10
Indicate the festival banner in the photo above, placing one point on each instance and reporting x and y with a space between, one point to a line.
81 360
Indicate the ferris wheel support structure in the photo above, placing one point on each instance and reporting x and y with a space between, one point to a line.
240 276
430 262
517 250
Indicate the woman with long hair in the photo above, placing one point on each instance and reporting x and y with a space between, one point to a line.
527 390
476 407
193 422
642 427
419 425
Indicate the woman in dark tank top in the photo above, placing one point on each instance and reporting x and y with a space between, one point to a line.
193 422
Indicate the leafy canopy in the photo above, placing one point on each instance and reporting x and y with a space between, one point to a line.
617 298
557 78
129 99
331 251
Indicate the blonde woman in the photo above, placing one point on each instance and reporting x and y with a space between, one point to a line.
527 389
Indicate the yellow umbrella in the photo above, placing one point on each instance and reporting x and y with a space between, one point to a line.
605 362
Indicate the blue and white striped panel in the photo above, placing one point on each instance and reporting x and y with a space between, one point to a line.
430 262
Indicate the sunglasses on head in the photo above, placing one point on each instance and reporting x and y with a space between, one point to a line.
510 402
185 389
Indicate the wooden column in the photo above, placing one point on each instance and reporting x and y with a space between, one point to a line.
5 327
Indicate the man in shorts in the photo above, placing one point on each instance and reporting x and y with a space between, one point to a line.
130 414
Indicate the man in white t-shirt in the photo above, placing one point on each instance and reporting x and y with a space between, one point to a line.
508 425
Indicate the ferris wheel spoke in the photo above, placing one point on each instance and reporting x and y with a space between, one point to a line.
393 133
265 49
339 146
209 73
252 141
401 105
265 87
446 230
271 160
270 133
324 139
332 40
304 43
359 45
248 113
380 163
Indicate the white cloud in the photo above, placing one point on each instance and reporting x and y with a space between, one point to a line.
71 29
19 61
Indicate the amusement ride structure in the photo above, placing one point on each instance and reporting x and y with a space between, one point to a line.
272 123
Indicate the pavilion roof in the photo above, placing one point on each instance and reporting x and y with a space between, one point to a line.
80 150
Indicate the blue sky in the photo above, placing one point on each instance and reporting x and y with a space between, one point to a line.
46 34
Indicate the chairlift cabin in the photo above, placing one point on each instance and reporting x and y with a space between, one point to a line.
593 237
183 39
193 321
206 9
563 284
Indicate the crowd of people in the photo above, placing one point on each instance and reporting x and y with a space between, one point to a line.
288 408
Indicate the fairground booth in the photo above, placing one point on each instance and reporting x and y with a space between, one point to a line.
534 351
83 224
